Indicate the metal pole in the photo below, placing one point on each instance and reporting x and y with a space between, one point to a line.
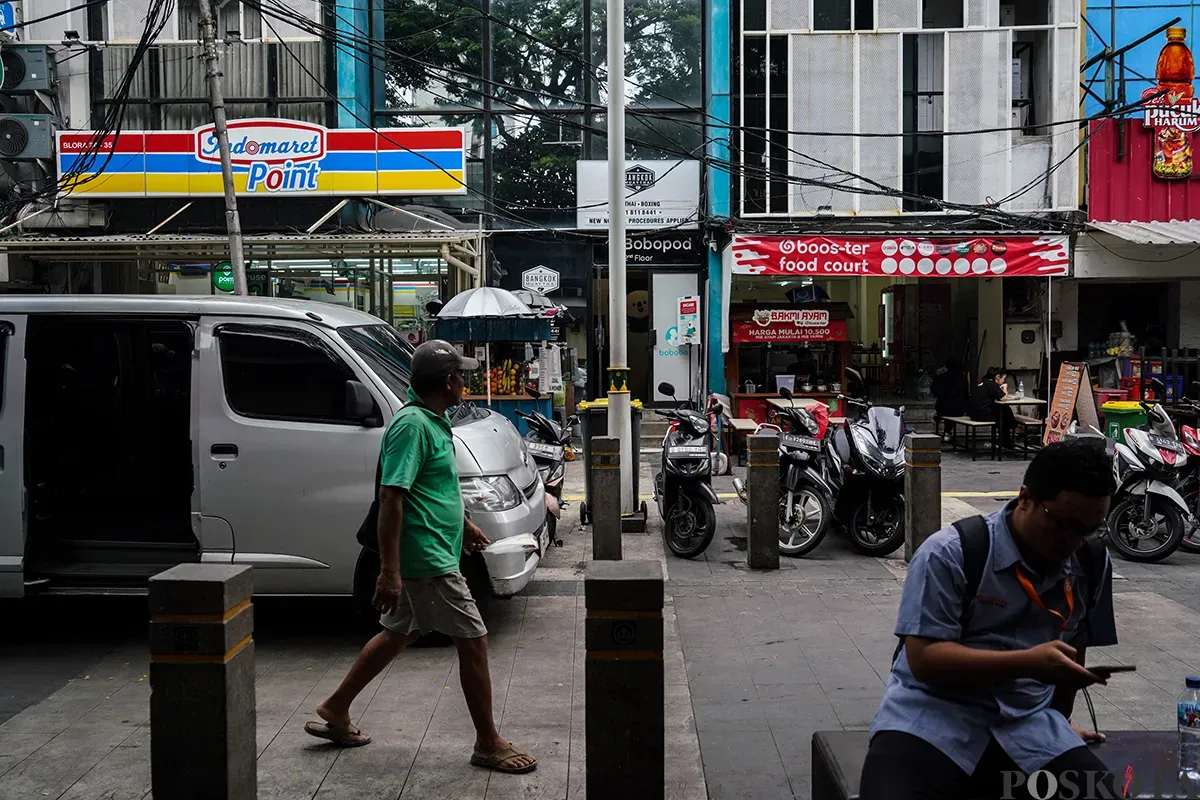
208 31
620 424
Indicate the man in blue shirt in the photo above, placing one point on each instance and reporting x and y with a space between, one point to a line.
981 693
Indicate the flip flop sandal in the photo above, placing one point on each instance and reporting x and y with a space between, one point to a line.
495 761
336 734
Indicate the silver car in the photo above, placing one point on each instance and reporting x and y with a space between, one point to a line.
139 432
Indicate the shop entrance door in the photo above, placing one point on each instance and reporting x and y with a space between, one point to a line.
637 332
672 362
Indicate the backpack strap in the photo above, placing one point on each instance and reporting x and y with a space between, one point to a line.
976 541
1093 557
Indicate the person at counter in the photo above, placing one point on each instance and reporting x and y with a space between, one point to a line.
983 406
804 367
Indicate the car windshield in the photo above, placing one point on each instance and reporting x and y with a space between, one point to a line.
388 356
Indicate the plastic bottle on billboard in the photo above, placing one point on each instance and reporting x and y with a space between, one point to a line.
1175 72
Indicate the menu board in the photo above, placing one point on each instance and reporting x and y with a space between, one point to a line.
1072 395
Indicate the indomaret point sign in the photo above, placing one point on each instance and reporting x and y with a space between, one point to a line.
270 156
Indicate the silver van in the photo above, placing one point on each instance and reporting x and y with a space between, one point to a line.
140 432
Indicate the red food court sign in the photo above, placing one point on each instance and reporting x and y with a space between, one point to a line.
990 257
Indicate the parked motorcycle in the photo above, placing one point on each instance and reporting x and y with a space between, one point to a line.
547 440
805 497
865 470
683 487
1189 486
1146 523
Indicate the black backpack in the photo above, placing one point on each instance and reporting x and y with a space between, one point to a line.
368 532
976 541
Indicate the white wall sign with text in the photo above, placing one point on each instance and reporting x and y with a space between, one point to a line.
658 194
542 280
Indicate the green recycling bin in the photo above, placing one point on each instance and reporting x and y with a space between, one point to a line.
1122 414
593 420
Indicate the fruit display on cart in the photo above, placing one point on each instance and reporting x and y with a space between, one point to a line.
505 378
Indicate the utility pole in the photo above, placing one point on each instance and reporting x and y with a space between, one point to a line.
620 422
233 222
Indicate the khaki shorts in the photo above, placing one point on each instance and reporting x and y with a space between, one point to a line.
442 604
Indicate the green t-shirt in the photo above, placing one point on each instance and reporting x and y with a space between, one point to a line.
418 456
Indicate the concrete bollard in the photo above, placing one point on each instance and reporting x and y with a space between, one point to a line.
623 633
605 501
202 720
922 489
762 494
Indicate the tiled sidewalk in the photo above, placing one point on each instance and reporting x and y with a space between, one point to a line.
90 739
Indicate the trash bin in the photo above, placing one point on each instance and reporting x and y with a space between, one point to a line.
1122 414
593 421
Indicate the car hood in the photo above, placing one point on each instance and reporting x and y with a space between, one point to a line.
492 446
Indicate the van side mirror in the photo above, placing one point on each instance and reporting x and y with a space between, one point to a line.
360 405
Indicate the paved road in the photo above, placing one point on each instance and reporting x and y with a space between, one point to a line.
756 662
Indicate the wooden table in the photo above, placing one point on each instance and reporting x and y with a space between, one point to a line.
1021 401
743 426
795 402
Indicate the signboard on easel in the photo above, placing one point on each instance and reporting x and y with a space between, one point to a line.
1072 398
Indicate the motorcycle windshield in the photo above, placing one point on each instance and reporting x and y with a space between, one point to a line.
885 424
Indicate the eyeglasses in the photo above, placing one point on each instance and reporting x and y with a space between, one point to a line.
1071 527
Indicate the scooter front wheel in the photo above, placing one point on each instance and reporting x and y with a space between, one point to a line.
1142 540
1191 534
809 520
876 526
689 525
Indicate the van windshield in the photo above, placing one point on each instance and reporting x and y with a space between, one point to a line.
388 355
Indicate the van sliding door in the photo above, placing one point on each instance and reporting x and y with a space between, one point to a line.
12 477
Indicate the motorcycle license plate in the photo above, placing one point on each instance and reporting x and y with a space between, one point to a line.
800 442
1163 443
688 451
543 450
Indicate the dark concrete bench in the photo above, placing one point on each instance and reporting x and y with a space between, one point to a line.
837 762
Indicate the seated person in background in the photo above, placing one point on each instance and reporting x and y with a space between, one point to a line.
804 368
984 682
952 392
983 407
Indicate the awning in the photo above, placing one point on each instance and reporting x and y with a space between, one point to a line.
453 246
1173 232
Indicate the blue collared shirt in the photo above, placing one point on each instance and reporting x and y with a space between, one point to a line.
961 721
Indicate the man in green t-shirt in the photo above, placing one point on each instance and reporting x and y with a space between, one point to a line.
422 532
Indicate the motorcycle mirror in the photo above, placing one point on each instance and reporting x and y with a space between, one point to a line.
1158 385
785 392
533 392
667 389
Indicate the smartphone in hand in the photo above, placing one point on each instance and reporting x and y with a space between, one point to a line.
1106 671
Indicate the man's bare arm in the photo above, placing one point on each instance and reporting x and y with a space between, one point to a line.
391 514
1064 696
953 663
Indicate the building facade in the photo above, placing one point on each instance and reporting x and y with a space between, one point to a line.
868 132
1136 265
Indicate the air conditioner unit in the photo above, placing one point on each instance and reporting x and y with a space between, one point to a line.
25 137
28 68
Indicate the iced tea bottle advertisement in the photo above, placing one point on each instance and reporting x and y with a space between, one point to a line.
1175 72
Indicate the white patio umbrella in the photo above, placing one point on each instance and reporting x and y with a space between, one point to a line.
486 301
482 303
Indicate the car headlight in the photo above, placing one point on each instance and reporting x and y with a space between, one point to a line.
491 493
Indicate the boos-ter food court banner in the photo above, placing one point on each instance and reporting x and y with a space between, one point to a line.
270 157
986 257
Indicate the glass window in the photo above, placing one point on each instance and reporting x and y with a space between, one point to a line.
388 356
650 135
662 52
283 374
537 53
434 53
831 15
533 162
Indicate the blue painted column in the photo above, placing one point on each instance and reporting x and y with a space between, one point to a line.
717 101
353 65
